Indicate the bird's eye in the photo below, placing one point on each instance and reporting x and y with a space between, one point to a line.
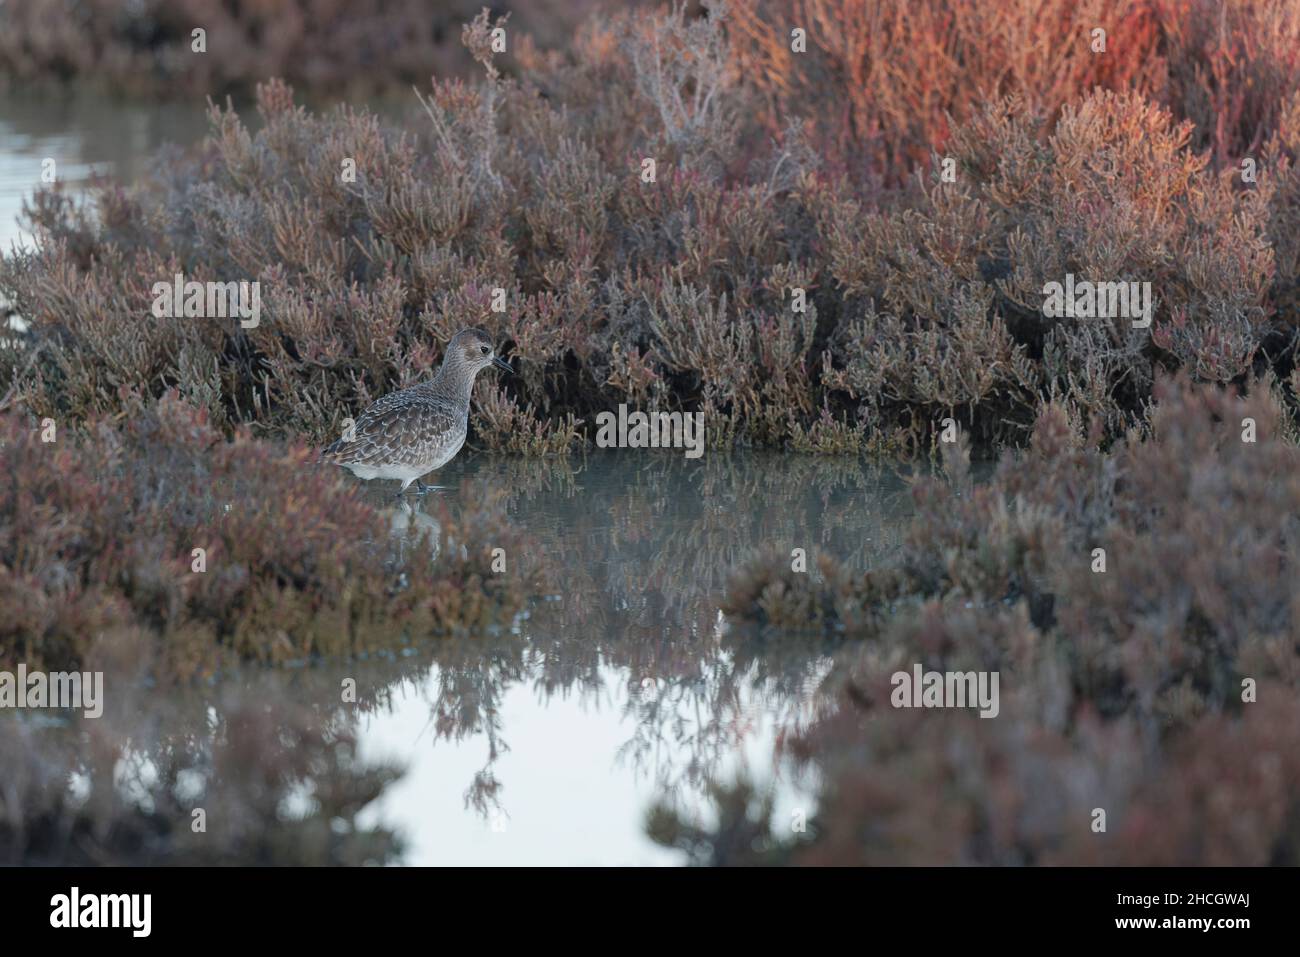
485 350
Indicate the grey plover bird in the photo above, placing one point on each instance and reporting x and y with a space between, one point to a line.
409 433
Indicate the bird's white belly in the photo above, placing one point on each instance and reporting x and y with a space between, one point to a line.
404 472
407 471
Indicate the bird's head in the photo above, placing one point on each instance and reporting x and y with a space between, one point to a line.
473 349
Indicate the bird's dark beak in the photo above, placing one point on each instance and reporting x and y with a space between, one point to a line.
501 363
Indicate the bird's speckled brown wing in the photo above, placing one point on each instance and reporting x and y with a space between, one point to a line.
400 429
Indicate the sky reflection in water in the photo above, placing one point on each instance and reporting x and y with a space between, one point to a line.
548 744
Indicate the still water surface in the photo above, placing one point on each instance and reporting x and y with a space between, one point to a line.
86 136
549 743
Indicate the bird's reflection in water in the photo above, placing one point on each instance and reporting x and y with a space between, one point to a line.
409 524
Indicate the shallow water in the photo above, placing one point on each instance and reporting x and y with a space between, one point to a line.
86 135
548 744
90 135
